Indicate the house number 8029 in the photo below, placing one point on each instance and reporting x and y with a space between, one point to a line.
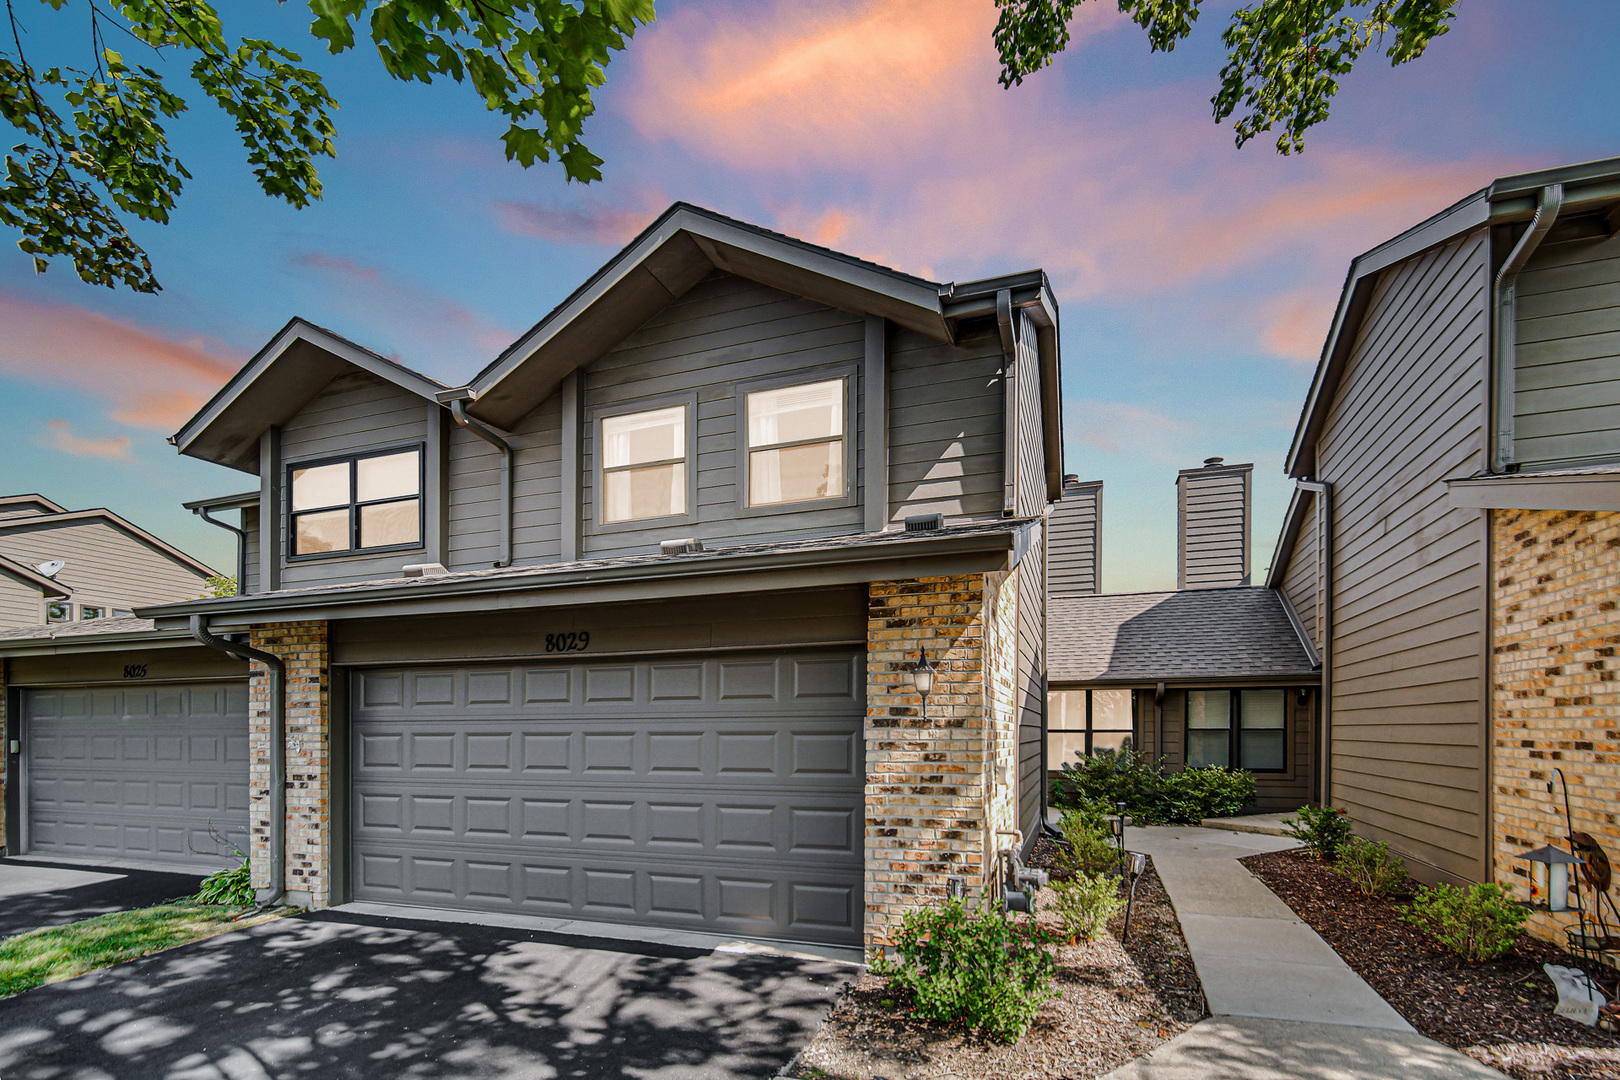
569 642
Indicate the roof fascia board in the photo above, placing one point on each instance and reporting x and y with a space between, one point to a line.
1292 520
1299 631
1526 491
89 643
129 528
980 552
244 500
1171 682
33 499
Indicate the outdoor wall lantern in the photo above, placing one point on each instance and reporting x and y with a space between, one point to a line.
1549 876
922 677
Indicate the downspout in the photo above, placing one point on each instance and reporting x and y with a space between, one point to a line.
1158 721
497 439
1504 305
1323 490
241 546
278 750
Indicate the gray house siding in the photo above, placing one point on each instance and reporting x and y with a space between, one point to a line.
1409 743
946 446
1567 364
1030 500
356 412
474 492
21 604
724 332
250 526
1213 511
1300 583
104 565
1074 556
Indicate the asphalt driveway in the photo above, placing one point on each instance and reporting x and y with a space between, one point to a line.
343 995
35 894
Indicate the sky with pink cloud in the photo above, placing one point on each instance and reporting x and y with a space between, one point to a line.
1196 279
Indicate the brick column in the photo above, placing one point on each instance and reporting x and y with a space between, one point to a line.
303 648
937 786
1556 588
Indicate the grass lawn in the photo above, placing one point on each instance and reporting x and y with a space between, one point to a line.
61 952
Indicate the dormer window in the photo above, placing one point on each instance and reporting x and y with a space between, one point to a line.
796 443
368 502
644 465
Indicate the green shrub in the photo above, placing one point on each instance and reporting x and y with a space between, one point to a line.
1088 851
1112 777
1370 866
1322 829
1191 795
228 888
1086 902
1477 923
1099 783
984 970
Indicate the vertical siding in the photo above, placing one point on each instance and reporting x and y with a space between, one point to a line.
1409 572
725 330
1300 582
20 604
945 431
1030 691
356 412
1567 404
1074 559
104 564
1214 528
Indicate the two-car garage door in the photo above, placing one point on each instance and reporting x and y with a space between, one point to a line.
137 773
720 793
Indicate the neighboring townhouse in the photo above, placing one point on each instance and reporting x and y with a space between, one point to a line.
628 629
60 566
1451 547
1216 672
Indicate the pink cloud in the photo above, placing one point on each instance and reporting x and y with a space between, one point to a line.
588 224
62 437
1295 324
1117 427
408 309
151 380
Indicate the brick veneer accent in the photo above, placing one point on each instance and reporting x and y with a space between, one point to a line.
937 786
303 648
1556 578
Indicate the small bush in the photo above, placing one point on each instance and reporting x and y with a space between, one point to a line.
1370 866
1477 923
1111 777
228 888
1099 783
1191 795
1322 829
983 970
1088 851
1086 902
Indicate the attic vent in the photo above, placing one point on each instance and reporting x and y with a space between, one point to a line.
679 547
425 569
925 523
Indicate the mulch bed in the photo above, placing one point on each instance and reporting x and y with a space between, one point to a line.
1116 1003
1500 1012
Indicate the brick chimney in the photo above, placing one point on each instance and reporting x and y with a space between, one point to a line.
1212 514
1073 553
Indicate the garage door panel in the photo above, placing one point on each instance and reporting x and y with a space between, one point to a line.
138 772
721 793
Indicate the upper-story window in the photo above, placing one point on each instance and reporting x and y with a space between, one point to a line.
357 504
796 443
644 464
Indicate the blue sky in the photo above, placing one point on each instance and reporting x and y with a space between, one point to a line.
1196 279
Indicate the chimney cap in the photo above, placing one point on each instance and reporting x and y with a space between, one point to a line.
1213 462
1071 478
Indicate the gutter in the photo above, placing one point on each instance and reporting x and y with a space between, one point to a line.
457 400
202 509
278 751
1323 490
1505 308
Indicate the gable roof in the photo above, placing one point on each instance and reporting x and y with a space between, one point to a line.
281 379
28 575
30 505
1508 200
41 522
1191 635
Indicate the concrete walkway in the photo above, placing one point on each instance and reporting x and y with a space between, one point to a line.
1283 1003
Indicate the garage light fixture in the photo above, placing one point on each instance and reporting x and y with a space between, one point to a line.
922 678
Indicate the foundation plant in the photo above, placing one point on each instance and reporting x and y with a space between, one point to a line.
1100 782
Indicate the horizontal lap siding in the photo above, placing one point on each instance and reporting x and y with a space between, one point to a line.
475 492
104 565
356 412
724 331
250 548
20 604
1030 500
1299 583
1073 561
1408 714
1567 405
1214 529
946 421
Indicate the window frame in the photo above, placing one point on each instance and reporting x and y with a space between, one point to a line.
594 417
848 374
1234 731
1089 731
353 458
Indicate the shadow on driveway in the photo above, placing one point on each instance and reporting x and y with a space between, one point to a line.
347 995
36 894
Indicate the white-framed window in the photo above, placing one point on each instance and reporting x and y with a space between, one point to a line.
796 443
644 466
1247 729
367 502
91 611
58 611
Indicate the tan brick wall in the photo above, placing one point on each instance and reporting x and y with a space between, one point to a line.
937 786
303 648
1556 578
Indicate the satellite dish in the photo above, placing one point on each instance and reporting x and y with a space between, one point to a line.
52 567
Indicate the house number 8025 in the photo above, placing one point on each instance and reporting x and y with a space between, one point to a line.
134 671
569 642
